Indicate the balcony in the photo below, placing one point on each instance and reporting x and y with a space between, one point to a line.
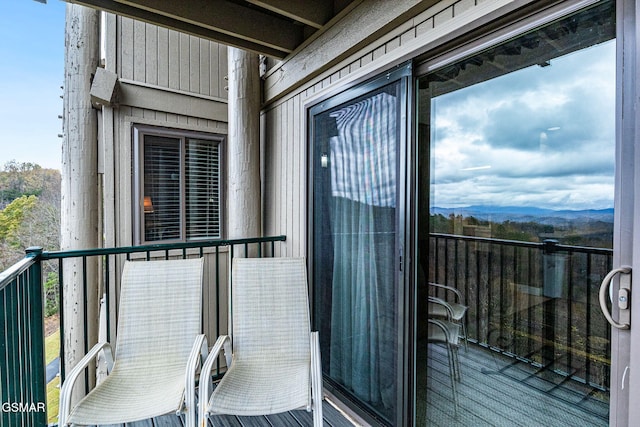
22 366
533 325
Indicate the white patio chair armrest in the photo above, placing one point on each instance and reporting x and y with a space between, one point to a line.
196 357
67 387
440 301
223 342
448 288
452 336
442 327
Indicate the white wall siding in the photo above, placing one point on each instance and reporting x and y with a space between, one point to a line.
160 57
284 181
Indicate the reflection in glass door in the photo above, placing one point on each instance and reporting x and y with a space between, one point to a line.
515 229
356 139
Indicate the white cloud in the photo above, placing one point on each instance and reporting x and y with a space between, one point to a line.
547 135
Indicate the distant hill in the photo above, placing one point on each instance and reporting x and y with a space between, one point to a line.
500 214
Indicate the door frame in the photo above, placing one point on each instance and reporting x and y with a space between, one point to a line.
403 74
625 344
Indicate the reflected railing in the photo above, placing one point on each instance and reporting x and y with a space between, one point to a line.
534 302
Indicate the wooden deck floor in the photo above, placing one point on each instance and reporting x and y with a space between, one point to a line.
498 391
494 391
332 418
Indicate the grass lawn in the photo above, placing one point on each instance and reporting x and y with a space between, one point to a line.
52 346
53 400
52 350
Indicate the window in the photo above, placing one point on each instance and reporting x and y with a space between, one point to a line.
177 185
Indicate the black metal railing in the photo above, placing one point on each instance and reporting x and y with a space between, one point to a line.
537 302
22 363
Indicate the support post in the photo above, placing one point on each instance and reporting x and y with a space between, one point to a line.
243 145
80 204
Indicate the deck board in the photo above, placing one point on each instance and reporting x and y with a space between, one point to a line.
496 391
332 418
285 420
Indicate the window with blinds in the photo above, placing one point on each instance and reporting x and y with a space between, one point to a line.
178 185
202 189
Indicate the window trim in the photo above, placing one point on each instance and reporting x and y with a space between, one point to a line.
139 131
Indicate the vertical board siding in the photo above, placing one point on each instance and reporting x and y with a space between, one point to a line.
125 48
151 54
285 129
166 58
204 52
286 176
163 57
174 60
184 64
139 51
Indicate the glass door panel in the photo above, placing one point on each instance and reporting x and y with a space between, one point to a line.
355 252
515 229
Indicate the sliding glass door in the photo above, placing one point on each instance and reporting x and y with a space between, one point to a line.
517 149
356 260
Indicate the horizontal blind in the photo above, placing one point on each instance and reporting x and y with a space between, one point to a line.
162 188
202 180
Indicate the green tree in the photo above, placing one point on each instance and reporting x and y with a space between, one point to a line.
11 218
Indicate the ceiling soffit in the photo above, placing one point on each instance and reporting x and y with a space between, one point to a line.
274 28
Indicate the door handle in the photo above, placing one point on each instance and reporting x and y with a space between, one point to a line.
623 299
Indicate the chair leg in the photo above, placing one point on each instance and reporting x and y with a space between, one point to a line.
464 332
456 364
316 380
452 375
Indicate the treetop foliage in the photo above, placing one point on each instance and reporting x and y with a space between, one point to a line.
12 216
29 210
20 179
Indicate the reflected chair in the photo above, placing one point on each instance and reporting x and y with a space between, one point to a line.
452 311
447 333
159 346
272 356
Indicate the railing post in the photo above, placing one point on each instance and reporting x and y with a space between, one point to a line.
552 290
22 368
37 356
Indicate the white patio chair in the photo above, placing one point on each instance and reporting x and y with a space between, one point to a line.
453 311
273 358
157 353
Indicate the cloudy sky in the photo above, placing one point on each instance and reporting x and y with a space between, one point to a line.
31 73
541 136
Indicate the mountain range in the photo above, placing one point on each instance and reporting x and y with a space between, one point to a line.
500 214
